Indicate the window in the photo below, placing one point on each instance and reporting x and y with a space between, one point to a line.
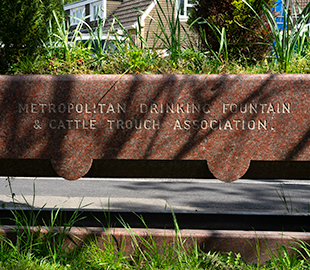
93 8
97 9
185 7
77 13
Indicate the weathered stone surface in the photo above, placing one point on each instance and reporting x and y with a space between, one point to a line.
227 120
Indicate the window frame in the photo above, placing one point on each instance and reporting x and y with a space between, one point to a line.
73 7
73 12
184 16
102 14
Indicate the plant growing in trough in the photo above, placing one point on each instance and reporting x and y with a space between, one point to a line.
291 39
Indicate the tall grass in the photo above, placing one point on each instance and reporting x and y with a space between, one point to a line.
63 39
33 239
45 247
289 40
171 34
222 55
132 48
98 47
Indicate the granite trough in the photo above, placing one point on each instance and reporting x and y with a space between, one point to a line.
227 120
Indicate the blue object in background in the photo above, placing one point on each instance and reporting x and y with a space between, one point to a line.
280 13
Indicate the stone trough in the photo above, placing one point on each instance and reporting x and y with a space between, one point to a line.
227 120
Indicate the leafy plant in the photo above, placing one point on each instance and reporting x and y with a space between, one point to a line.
171 34
220 21
288 40
172 253
64 40
221 55
129 50
288 258
193 59
98 47
30 241
22 24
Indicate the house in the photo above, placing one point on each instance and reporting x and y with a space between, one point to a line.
88 11
131 14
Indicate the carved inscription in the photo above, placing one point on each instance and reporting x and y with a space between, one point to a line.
68 109
235 124
174 108
250 111
238 124
134 124
257 108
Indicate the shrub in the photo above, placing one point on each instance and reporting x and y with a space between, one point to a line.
231 15
22 24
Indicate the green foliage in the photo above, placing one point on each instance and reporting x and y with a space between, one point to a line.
290 42
234 260
60 51
193 59
171 33
30 240
289 258
22 24
228 15
60 39
221 54
172 39
106 257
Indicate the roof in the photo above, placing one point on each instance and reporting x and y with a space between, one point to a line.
127 12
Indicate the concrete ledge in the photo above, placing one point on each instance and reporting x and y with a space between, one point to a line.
247 243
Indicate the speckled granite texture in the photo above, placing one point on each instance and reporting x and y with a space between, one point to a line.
227 120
